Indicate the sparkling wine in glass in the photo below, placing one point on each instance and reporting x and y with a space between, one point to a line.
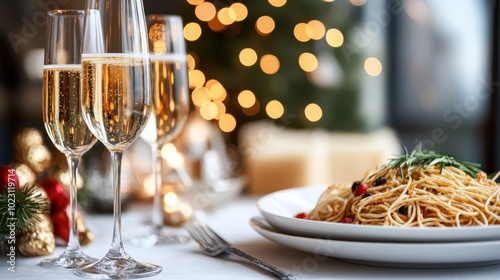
170 95
62 113
116 103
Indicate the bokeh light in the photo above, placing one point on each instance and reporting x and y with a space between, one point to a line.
216 91
192 31
168 151
240 10
301 32
277 3
226 16
208 110
313 112
221 109
205 11
196 78
358 3
274 109
334 37
246 99
191 61
373 66
317 28
200 96
264 25
195 2
269 64
227 123
248 57
308 62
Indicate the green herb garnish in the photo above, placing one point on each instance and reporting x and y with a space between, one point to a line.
418 158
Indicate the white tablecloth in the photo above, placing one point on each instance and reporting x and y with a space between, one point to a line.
185 261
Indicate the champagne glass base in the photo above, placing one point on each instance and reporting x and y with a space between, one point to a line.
117 268
68 260
159 238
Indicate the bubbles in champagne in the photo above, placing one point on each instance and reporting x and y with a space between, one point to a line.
116 97
61 109
170 98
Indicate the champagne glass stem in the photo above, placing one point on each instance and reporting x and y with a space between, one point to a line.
157 236
117 250
73 256
117 264
73 242
157 215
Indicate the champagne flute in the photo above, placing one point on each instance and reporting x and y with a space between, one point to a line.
62 115
116 103
170 94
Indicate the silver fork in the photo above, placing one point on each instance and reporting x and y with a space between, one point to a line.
213 245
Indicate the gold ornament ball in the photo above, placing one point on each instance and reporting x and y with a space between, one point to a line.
38 240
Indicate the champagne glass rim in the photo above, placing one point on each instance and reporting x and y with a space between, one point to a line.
67 12
64 66
116 55
174 16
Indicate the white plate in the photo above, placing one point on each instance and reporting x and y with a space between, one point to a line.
279 209
415 255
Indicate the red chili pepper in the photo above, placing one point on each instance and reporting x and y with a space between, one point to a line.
301 215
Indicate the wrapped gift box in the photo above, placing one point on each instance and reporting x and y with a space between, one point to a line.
276 158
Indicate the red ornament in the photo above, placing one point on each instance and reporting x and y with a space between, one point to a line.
59 198
59 207
8 177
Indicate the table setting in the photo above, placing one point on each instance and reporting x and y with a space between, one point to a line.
268 228
232 222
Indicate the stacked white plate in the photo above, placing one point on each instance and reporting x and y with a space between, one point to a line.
373 245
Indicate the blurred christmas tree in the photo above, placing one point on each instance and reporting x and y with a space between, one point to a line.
306 63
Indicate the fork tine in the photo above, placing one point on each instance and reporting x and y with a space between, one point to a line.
212 233
202 236
196 234
213 245
189 227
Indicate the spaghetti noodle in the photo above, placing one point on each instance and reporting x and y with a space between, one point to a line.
414 193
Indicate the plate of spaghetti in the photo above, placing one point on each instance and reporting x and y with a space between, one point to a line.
422 196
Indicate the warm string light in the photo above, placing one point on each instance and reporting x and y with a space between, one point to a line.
308 62
246 99
269 64
373 66
275 109
264 25
313 112
211 96
358 3
277 3
192 31
205 11
334 38
148 183
248 57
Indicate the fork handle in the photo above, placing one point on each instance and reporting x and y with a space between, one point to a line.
274 270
